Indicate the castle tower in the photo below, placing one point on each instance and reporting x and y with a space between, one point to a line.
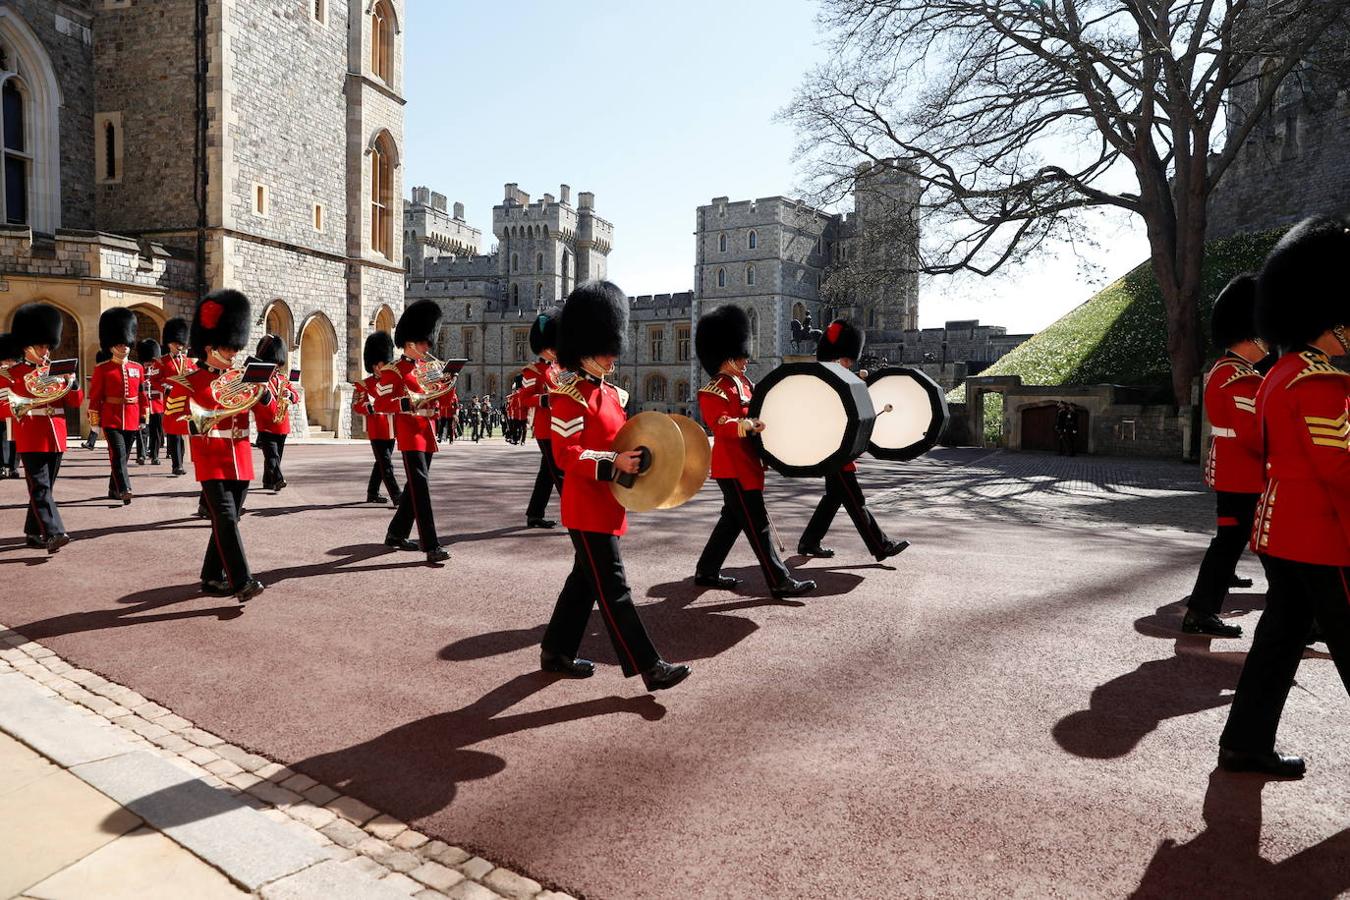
546 247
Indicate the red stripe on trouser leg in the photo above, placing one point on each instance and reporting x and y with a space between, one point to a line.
215 538
412 495
1228 521
32 504
748 528
604 605
877 538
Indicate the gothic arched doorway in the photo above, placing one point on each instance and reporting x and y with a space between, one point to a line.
384 319
318 350
280 322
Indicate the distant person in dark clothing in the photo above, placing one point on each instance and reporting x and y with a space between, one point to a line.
1066 428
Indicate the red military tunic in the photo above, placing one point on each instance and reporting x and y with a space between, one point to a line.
395 393
536 381
168 367
116 395
5 411
1304 513
586 415
724 403
379 426
154 390
270 417
1234 461
223 453
41 429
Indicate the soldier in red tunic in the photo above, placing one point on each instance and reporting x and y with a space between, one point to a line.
221 455
1302 526
1234 467
173 363
378 354
536 380
274 420
842 343
147 352
722 343
10 352
117 394
40 423
402 392
587 412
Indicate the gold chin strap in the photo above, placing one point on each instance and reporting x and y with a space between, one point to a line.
1339 331
591 366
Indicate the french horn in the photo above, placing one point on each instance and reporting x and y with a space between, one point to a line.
434 379
44 389
234 396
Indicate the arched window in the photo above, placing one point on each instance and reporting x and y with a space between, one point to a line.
681 391
721 243
382 196
515 262
566 271
18 160
799 312
754 333
539 290
539 262
515 295
468 310
750 275
721 277
382 42
753 239
656 388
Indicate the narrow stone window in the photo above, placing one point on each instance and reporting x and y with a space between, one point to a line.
382 42
515 262
381 199
261 200
108 147
753 239
721 243
721 277
318 217
15 152
539 262
750 275
539 291
319 10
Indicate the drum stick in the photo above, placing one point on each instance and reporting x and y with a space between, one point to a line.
777 539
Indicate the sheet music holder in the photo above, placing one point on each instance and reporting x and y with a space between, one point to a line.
63 367
258 372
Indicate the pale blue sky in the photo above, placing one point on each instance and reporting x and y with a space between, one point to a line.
656 108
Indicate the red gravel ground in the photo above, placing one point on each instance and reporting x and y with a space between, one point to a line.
1007 710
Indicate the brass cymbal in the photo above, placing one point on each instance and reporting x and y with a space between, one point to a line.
659 434
697 456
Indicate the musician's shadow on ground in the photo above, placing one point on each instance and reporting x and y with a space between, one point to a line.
682 631
1128 708
414 769
143 609
94 533
1225 859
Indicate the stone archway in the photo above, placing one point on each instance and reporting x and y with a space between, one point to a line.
384 319
149 324
318 356
278 320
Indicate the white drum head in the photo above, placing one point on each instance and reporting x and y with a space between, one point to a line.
918 413
804 420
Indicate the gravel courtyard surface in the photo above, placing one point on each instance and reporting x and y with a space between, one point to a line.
1007 708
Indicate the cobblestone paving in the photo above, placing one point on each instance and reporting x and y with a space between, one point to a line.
1039 487
346 829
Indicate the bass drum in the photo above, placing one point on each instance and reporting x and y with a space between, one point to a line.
817 417
918 413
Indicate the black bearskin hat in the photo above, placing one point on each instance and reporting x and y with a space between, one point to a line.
271 348
221 320
418 323
37 323
593 322
102 356
722 334
379 349
544 332
842 339
116 326
9 348
147 350
175 332
1234 316
1300 292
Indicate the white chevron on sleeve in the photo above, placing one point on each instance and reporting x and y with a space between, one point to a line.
568 427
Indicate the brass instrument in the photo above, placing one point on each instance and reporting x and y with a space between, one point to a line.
234 396
284 394
434 378
44 390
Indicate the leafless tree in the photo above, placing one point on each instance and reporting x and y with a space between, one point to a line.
1019 115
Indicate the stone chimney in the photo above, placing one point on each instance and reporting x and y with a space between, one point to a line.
565 195
459 212
586 200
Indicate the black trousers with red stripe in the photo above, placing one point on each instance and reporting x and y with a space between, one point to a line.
174 443
743 512
119 449
549 476
1235 514
414 505
225 559
273 447
40 471
841 488
1299 593
597 578
383 470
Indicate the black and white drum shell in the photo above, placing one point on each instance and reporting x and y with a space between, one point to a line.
918 413
817 418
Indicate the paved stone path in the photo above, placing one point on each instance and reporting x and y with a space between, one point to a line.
1007 708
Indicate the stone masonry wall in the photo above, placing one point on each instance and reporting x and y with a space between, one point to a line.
62 29
144 61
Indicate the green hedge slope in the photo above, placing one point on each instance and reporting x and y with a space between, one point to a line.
1119 336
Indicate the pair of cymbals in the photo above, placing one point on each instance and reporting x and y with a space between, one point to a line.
680 455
